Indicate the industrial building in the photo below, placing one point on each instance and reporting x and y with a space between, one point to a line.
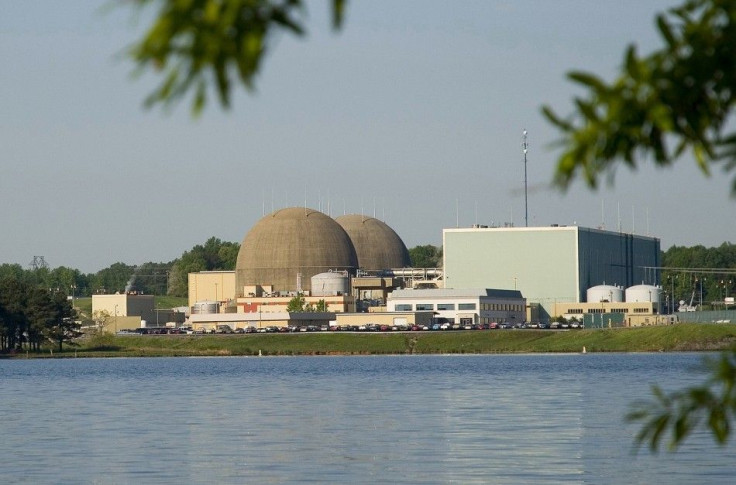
123 311
211 286
614 306
548 265
464 306
301 251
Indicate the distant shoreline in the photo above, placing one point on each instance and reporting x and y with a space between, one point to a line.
690 337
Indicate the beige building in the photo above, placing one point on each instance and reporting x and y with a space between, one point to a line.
123 310
211 286
607 314
272 304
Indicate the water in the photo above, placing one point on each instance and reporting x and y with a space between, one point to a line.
389 419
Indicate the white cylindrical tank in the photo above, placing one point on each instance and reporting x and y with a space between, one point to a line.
643 293
206 307
613 294
329 284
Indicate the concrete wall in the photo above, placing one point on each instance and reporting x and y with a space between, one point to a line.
540 262
211 286
124 305
387 318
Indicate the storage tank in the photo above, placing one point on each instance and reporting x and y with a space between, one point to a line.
206 307
614 294
330 284
643 293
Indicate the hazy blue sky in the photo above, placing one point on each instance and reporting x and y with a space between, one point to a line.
414 112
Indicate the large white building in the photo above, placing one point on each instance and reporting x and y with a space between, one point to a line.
465 306
548 264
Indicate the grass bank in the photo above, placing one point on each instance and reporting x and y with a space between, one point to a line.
682 337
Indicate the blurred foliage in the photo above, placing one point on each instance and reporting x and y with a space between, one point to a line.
201 43
674 100
676 415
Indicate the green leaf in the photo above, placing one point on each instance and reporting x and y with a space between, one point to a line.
587 80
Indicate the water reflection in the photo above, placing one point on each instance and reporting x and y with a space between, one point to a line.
409 419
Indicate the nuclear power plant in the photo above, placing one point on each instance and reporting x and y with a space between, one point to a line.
350 268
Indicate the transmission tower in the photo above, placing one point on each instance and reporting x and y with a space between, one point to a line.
38 263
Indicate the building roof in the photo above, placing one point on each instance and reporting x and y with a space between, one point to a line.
454 293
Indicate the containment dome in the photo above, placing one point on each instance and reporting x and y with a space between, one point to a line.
376 244
290 244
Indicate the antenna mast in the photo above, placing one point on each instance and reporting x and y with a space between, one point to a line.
525 147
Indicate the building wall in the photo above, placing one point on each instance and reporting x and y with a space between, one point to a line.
210 321
454 305
617 259
547 264
385 318
337 304
124 305
211 286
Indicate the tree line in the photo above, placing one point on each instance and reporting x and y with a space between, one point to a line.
170 278
31 315
698 273
163 278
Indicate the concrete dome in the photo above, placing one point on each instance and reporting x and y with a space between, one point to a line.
376 244
289 242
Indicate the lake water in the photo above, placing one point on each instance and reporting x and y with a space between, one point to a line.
504 419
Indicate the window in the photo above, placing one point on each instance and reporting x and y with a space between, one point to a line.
466 306
403 307
425 306
445 306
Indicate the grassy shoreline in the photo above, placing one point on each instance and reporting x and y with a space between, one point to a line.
675 338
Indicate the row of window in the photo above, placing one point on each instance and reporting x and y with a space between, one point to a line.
407 307
580 311
499 307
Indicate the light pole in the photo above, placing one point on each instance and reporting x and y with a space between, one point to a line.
116 319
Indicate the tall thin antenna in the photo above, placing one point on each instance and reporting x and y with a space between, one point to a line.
525 147
457 213
603 216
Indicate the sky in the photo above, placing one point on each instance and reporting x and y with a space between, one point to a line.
412 113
